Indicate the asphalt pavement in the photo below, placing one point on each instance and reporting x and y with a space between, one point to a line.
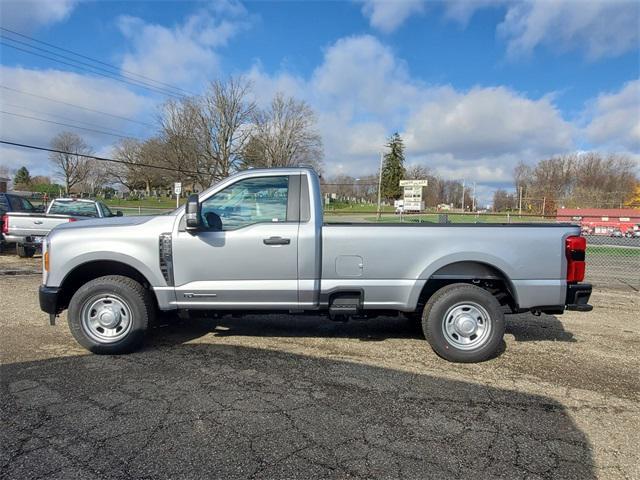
279 396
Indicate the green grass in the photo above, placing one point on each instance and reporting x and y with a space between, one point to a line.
613 251
165 203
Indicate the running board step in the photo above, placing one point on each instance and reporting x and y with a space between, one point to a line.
345 304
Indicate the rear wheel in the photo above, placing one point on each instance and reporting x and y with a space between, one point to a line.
110 315
463 323
24 251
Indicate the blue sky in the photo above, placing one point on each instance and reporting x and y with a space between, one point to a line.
473 87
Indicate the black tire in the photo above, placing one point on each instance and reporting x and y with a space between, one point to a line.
127 293
438 318
24 251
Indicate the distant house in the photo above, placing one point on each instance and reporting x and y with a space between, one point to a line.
601 221
4 182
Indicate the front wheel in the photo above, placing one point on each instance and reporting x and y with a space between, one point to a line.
463 323
110 315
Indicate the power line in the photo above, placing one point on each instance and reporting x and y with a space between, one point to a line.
81 122
109 73
95 60
101 159
77 106
112 76
94 130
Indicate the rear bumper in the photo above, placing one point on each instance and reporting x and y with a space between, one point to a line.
578 297
49 299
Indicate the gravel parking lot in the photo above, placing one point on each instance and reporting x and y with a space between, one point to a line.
302 397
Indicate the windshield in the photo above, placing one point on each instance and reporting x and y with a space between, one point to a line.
74 208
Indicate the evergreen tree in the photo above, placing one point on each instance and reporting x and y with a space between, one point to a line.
393 168
22 178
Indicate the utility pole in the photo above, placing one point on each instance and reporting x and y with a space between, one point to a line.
463 194
380 185
474 197
520 203
544 202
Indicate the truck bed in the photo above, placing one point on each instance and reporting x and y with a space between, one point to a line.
385 259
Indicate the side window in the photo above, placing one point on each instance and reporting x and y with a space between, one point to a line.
254 200
4 204
25 205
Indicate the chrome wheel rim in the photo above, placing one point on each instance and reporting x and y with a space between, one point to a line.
106 318
467 326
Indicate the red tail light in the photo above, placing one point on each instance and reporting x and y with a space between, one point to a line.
575 250
73 219
5 224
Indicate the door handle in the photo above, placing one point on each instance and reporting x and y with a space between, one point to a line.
38 222
276 241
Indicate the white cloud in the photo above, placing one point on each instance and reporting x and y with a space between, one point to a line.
486 122
362 93
94 93
462 10
615 118
388 15
602 28
362 73
185 54
29 14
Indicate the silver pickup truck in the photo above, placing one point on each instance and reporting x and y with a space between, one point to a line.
257 242
27 230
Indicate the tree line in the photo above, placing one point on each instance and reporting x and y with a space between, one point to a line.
365 188
199 140
577 180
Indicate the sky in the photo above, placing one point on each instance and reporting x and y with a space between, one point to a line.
473 87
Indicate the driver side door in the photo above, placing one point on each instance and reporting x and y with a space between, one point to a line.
245 255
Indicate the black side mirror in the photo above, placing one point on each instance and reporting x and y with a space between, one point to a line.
118 213
192 213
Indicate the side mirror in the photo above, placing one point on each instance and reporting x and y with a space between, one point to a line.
192 210
118 213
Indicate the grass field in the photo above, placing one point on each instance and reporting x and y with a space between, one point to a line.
614 251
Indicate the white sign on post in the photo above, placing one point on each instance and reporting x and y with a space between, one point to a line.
177 189
414 183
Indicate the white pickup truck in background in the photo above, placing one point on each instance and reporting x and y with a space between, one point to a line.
27 230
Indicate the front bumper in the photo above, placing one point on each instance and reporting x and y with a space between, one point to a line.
49 299
578 297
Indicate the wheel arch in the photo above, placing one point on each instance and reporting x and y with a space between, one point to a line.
481 273
92 269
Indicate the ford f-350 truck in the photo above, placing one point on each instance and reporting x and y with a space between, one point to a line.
256 241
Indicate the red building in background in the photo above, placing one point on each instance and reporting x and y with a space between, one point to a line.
601 221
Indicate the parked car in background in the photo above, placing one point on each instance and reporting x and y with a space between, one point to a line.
616 233
28 229
10 202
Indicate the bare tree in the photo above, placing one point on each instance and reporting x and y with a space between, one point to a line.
225 118
585 180
503 201
417 172
208 133
180 126
142 166
70 166
127 150
284 135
